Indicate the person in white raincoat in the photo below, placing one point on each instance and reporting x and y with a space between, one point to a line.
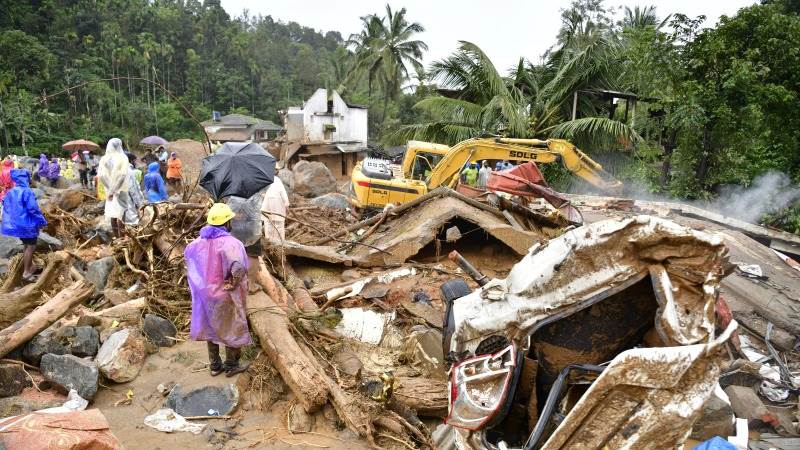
275 204
112 172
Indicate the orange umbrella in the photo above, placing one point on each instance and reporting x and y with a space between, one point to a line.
80 144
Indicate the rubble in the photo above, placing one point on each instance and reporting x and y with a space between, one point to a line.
159 330
13 379
312 179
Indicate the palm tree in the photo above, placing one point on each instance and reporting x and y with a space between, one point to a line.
384 49
533 102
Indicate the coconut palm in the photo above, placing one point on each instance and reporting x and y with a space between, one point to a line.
384 49
533 102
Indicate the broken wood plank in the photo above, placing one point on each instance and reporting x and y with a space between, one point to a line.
302 299
42 317
300 373
758 326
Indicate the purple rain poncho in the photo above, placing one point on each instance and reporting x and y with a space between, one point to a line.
218 315
44 166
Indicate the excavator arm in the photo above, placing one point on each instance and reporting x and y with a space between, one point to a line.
523 150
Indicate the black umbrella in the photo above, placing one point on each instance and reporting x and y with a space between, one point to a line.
237 168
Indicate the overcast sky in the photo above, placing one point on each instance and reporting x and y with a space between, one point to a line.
504 29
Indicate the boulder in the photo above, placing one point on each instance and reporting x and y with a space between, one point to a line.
70 199
121 356
116 296
300 421
716 419
287 176
12 380
159 330
97 273
71 372
204 401
79 341
45 242
45 342
312 179
333 201
10 246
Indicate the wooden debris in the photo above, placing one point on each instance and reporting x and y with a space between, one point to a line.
42 317
14 305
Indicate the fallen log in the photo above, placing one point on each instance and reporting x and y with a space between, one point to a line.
16 304
172 252
302 299
129 312
42 317
14 276
757 325
426 396
274 290
269 322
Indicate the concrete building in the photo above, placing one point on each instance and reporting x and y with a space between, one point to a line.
326 129
240 128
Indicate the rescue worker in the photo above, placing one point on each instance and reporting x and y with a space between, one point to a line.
83 168
470 174
112 173
275 204
22 219
53 172
483 175
217 266
44 165
174 172
154 185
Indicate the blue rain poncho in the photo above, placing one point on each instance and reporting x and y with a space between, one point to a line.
22 217
154 184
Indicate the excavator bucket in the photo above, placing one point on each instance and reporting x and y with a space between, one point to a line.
526 180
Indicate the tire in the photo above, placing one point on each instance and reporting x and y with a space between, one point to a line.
451 290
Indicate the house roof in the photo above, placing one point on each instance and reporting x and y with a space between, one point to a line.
235 120
268 125
354 105
239 135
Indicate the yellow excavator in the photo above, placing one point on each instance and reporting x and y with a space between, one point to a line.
426 166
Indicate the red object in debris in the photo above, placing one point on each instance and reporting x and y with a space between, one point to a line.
526 180
76 430
724 316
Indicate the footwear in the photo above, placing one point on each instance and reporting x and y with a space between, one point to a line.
216 371
238 369
30 278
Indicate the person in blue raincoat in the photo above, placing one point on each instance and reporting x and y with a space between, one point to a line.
154 185
22 219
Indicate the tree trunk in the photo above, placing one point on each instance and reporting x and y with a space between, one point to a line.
426 396
666 165
705 158
14 305
300 373
42 317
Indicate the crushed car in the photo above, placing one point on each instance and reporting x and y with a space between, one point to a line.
604 337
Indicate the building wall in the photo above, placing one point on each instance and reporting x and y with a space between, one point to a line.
350 123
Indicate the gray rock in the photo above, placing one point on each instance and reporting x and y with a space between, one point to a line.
159 330
716 419
79 341
71 372
452 234
312 179
12 380
46 242
374 289
70 199
45 342
10 246
333 201
300 421
121 356
116 296
219 400
97 273
287 176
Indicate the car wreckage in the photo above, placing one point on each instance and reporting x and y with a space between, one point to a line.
604 337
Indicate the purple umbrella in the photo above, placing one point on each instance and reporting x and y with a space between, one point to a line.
153 140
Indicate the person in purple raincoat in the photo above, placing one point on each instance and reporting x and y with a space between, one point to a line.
217 265
53 172
44 167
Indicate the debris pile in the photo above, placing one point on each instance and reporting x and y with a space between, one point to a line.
499 314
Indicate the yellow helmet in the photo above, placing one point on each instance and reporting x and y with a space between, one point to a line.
220 214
